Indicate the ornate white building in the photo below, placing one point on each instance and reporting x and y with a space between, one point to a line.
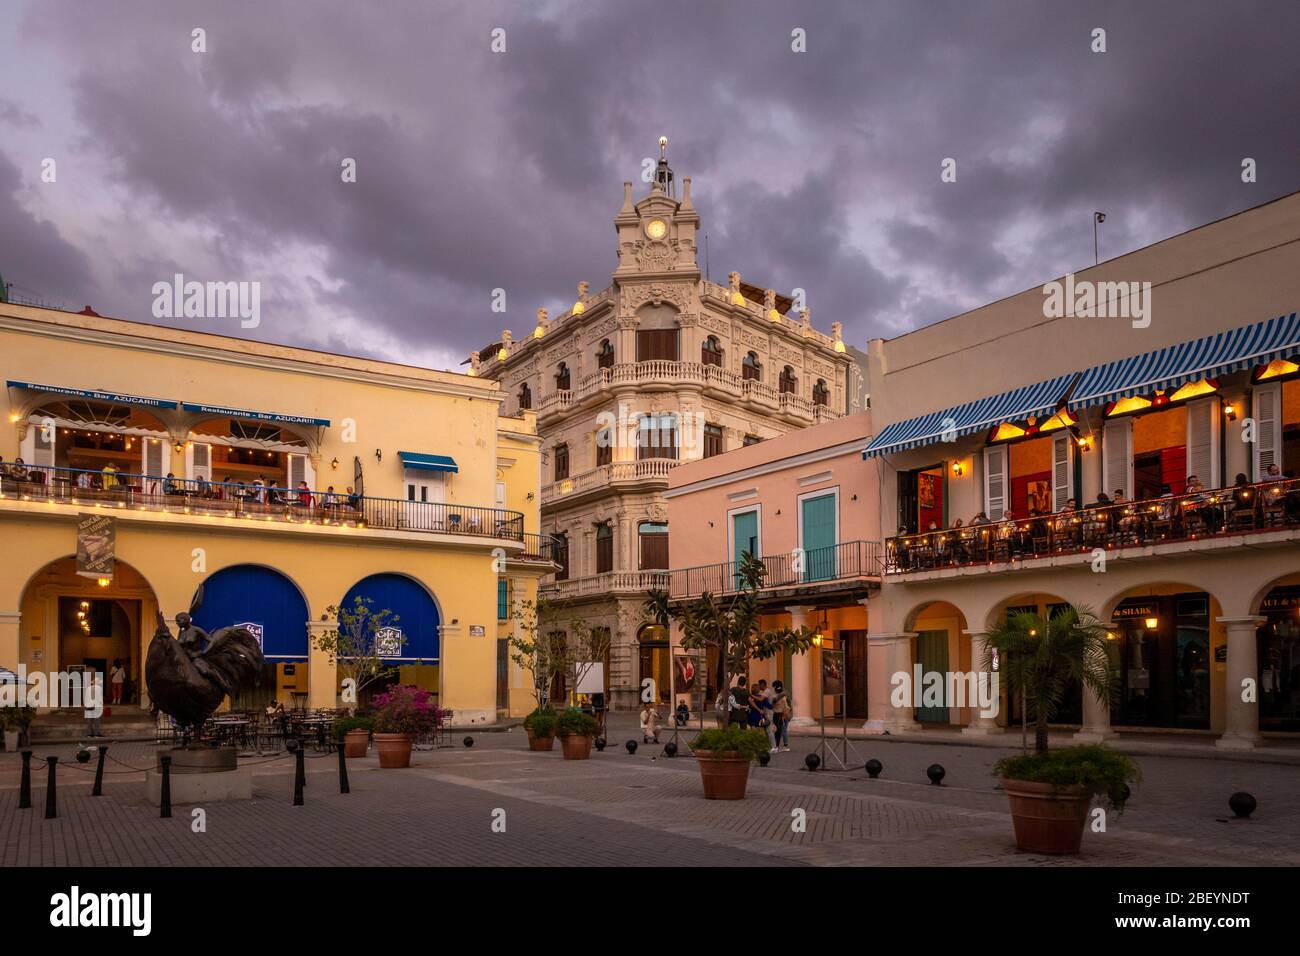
660 366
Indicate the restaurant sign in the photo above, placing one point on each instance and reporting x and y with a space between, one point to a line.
1281 599
114 397
388 642
254 416
1136 609
96 540
257 630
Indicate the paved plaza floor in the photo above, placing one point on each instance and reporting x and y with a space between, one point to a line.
634 810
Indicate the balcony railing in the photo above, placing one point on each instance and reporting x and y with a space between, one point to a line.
176 495
645 468
659 370
538 547
848 560
1245 509
607 582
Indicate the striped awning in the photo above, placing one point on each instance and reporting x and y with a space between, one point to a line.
1177 365
1018 404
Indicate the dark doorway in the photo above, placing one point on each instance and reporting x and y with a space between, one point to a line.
855 673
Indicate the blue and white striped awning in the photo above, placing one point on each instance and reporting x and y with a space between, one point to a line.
1018 404
1177 365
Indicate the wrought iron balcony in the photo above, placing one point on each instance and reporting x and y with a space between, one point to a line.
816 568
1206 514
140 492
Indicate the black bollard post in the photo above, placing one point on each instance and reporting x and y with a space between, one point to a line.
25 787
343 771
299 777
165 811
98 789
51 798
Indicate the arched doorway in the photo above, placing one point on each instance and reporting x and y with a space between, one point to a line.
83 625
409 638
939 647
653 653
272 607
1278 649
1046 606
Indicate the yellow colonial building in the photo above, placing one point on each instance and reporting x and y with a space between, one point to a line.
284 481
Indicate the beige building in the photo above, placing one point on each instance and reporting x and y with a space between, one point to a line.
659 367
1187 385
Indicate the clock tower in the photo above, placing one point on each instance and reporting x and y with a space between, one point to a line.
656 236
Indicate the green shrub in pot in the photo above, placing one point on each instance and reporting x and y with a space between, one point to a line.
575 723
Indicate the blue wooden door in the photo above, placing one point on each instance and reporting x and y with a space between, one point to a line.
932 655
819 542
744 539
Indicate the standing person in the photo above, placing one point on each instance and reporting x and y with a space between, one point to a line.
738 703
781 714
117 680
649 723
93 694
764 697
110 476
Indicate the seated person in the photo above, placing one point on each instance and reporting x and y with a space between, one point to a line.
18 471
902 558
171 486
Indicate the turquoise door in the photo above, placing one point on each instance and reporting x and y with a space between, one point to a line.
932 655
818 519
744 539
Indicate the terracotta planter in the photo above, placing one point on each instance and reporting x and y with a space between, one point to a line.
540 743
1047 819
356 743
724 775
575 747
394 750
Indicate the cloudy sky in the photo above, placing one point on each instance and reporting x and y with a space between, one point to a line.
478 170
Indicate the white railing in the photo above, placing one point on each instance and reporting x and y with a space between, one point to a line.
646 468
609 582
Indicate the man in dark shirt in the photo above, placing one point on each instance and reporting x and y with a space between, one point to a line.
738 704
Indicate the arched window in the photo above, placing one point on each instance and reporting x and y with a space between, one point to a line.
711 351
604 548
751 368
605 355
562 377
821 394
525 397
788 382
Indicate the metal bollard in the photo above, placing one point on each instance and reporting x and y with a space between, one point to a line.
51 797
299 777
98 789
25 787
343 771
165 811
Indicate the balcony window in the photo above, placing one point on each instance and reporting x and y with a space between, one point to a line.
751 369
711 352
561 552
788 382
656 345
821 394
653 539
605 355
712 440
561 462
562 377
525 397
604 447
604 548
657 437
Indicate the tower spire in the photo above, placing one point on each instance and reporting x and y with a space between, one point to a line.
663 172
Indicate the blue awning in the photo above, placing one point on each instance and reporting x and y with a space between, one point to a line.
262 600
255 416
423 462
1177 365
96 394
1029 401
411 630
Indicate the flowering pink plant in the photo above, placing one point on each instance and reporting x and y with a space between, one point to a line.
406 710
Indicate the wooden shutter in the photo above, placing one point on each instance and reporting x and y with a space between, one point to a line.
995 481
654 550
300 469
152 454
1266 404
1062 469
1117 456
1203 440
198 460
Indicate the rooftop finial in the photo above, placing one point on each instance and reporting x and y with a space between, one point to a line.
663 174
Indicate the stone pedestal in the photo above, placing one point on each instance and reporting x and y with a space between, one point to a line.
201 775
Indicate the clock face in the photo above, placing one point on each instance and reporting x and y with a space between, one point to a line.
656 228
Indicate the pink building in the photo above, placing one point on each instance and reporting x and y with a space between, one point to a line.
808 505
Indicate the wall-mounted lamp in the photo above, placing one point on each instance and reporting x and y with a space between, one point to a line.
104 582
530 496
957 469
334 463
1230 410
1152 623
379 454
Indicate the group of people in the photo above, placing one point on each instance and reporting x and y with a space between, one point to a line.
262 492
763 707
1108 518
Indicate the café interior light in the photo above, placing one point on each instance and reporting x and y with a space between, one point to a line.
1152 623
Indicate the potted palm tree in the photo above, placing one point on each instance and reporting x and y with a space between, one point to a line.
402 715
1050 791
354 734
540 727
729 627
576 731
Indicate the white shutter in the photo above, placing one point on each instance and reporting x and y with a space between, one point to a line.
995 481
1117 457
151 464
298 470
27 447
1266 402
198 460
1062 469
42 445
501 494
1203 440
